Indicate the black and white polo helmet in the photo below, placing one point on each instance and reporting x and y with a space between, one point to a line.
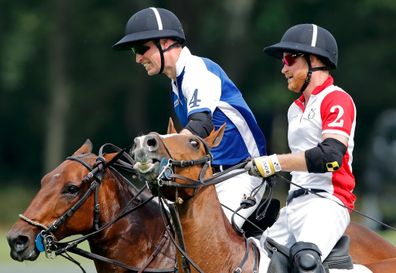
149 24
307 38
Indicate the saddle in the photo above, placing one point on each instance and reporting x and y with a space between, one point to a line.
338 258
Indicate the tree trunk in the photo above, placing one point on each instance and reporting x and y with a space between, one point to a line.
59 86
237 38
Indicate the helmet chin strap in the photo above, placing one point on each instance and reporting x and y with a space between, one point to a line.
310 71
162 51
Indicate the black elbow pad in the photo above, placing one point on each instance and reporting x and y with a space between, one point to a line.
326 157
200 124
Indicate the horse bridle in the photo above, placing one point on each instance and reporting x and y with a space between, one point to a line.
46 241
167 177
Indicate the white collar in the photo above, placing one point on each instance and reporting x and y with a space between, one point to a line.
181 62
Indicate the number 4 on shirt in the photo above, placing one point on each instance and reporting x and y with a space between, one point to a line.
194 102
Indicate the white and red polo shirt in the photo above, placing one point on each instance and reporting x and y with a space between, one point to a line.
328 110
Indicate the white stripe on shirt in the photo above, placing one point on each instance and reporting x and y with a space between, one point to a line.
240 123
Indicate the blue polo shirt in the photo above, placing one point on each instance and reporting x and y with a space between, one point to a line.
201 85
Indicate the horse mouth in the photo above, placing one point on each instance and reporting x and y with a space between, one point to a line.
147 167
24 256
147 163
22 249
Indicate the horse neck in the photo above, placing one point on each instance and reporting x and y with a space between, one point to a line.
114 196
126 240
206 230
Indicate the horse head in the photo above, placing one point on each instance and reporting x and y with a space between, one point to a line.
60 190
183 158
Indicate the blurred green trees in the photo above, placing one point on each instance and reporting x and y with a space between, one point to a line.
61 82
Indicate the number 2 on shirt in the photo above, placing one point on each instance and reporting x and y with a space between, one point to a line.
338 122
194 102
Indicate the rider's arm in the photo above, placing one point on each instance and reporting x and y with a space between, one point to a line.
199 124
325 157
331 149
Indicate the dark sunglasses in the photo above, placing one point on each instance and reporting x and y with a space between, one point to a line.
140 49
290 59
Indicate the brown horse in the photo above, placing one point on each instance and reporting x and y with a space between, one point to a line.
136 240
367 246
209 239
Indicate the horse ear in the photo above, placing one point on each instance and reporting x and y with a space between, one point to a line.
110 156
171 127
215 137
85 148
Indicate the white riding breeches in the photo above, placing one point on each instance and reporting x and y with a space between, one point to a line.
313 219
232 191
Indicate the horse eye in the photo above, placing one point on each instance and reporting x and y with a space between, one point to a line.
194 143
71 189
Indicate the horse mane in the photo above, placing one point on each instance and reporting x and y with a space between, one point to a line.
130 185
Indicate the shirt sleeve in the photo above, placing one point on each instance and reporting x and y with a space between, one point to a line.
202 90
338 113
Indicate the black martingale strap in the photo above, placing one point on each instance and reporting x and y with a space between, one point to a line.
168 220
256 255
144 268
179 234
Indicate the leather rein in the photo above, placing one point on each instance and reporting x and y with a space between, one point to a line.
46 241
167 177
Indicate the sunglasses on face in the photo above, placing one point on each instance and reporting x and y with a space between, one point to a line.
140 49
290 59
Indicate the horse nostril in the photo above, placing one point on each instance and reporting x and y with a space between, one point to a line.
20 243
152 143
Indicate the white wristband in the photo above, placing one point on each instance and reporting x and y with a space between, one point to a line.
267 165
275 162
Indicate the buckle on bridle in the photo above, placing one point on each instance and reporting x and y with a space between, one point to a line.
45 242
165 171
